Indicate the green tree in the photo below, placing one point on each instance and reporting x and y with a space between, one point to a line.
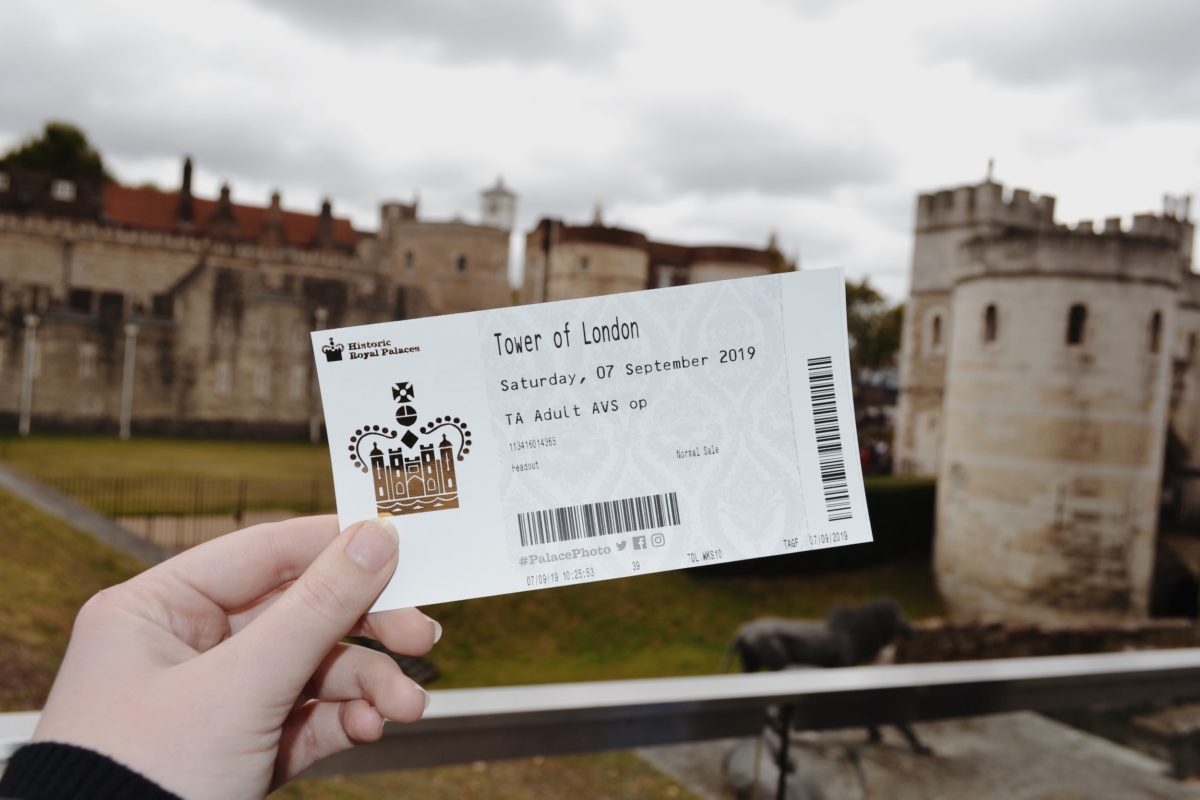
874 327
61 149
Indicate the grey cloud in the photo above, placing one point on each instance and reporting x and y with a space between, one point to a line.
1132 58
719 149
463 31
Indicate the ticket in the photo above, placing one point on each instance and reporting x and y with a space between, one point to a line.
558 443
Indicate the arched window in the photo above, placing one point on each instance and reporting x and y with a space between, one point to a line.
460 263
1076 323
935 331
409 259
989 323
1155 331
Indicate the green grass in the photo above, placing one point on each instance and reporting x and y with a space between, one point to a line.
673 623
604 776
178 476
47 571
101 456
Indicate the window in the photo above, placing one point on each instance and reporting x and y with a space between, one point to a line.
1076 323
63 191
224 378
460 263
665 277
87 360
989 323
1155 331
3 181
297 381
262 381
80 300
584 263
410 260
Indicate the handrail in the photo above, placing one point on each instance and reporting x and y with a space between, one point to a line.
464 725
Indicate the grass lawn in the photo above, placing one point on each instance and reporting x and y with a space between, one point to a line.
107 456
671 623
47 571
603 776
177 476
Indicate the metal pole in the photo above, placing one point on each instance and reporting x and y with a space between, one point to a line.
131 331
27 371
785 739
314 391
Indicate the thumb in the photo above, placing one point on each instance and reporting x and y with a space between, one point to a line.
291 638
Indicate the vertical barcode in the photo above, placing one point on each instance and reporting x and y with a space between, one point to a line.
598 519
829 439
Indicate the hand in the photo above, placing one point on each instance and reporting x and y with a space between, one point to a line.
221 672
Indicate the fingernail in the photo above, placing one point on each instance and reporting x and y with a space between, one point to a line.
437 629
428 697
373 544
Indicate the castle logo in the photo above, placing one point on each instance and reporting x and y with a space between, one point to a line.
418 475
333 351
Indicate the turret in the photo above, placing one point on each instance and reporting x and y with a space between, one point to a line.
499 206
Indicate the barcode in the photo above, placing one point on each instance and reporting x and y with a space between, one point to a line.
598 519
829 439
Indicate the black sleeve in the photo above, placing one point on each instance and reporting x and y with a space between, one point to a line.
53 771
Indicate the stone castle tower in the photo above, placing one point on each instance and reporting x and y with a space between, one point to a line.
1045 368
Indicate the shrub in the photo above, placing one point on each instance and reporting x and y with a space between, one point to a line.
902 514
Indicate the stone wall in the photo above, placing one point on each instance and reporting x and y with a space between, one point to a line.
939 640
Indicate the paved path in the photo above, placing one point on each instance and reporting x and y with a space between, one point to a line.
1022 756
79 516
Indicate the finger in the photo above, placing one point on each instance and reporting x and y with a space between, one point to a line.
240 567
406 631
352 673
318 730
292 636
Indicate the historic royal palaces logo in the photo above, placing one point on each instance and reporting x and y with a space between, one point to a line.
419 475
333 350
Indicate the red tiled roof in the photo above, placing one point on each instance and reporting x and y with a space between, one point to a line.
156 210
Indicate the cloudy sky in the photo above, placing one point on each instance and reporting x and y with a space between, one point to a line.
714 121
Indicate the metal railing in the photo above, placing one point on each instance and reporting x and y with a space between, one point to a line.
178 512
466 725
191 496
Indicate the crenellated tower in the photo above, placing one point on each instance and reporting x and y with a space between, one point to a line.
1041 370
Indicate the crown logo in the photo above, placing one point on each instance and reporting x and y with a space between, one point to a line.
418 475
333 350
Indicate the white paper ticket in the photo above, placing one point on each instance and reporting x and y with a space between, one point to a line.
545 445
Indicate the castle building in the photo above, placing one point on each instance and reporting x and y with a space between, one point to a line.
212 300
1050 380
146 311
568 261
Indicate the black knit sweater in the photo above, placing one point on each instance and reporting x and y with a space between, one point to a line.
52 771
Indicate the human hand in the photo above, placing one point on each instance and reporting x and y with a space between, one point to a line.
221 672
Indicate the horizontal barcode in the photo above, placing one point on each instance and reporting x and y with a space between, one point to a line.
829 439
598 519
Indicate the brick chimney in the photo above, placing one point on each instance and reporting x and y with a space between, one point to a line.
325 225
222 223
186 211
272 229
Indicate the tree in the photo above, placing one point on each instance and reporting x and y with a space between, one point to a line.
873 326
63 150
